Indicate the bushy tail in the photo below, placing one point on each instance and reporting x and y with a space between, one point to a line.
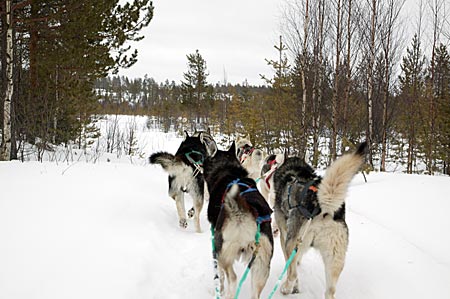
165 159
333 188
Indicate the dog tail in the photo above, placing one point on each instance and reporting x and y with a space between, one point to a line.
333 188
166 160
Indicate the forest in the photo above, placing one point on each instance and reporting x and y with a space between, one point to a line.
343 72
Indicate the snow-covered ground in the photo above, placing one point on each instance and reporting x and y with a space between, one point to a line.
109 230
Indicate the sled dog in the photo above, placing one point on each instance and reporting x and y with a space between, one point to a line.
185 173
301 195
265 182
240 221
251 158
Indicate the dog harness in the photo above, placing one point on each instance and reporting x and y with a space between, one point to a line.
309 186
259 220
268 175
196 163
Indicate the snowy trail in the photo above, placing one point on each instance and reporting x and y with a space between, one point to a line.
109 230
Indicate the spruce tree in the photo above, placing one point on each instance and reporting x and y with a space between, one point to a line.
70 44
412 88
195 85
442 98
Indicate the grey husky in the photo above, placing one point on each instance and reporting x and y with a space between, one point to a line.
185 173
310 212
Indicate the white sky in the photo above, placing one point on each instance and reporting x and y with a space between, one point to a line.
233 36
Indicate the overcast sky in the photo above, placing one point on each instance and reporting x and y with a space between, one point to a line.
233 36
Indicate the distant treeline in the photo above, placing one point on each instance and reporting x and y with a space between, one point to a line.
272 114
341 76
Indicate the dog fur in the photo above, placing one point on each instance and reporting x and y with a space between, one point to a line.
233 215
265 184
184 177
297 187
251 158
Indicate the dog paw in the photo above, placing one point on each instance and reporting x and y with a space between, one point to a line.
183 223
289 288
191 212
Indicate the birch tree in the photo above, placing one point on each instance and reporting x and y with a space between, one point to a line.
390 43
5 152
337 62
370 77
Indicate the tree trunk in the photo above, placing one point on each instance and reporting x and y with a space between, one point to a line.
303 72
334 102
317 102
5 153
348 69
370 86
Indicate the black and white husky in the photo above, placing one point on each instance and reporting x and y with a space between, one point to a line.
240 221
185 173
301 195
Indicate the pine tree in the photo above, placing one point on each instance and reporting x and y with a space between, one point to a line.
279 118
70 44
412 88
195 85
442 99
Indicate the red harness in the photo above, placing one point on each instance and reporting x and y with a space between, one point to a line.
273 167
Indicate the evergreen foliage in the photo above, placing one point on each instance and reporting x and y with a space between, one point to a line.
63 47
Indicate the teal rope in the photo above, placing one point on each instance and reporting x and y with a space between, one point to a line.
289 261
215 262
244 277
199 162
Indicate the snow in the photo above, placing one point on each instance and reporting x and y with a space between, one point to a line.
109 230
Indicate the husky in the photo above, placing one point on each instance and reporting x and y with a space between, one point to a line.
310 212
265 182
240 221
251 158
185 173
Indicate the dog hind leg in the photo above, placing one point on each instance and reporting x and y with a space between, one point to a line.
281 220
231 281
179 201
198 205
333 259
261 267
290 286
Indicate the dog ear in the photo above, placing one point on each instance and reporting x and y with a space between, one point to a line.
280 158
186 135
232 149
210 144
208 131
